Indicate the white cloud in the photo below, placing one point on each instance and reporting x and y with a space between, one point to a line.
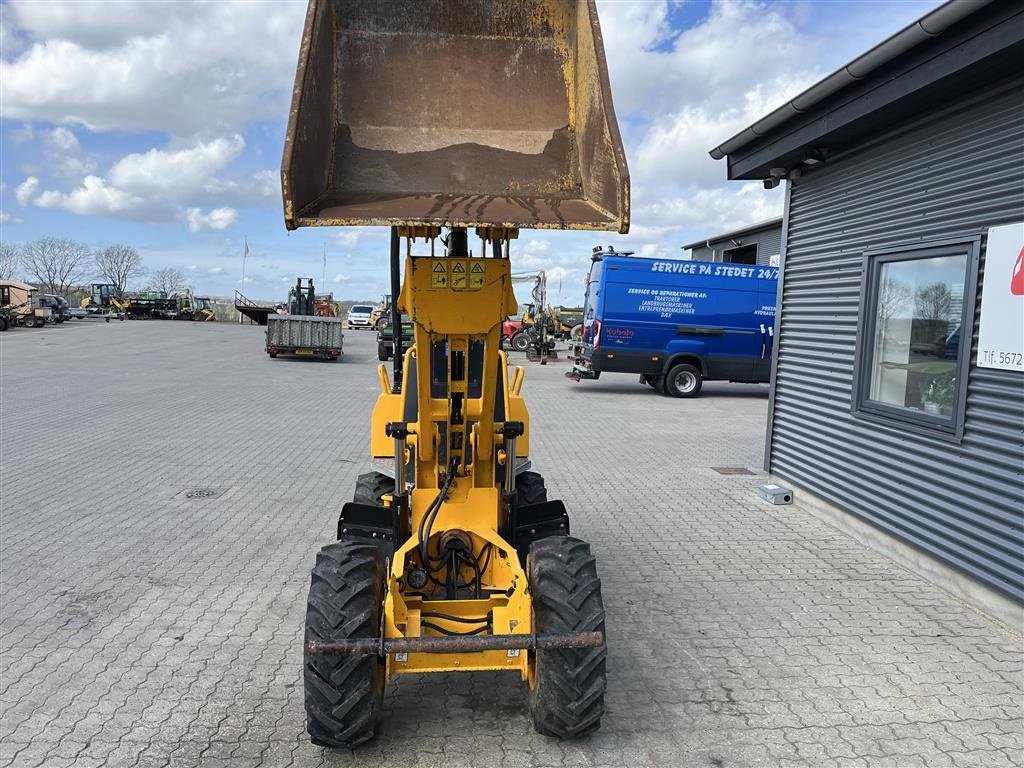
95 198
537 247
351 237
64 139
683 94
175 174
215 270
6 218
159 185
73 167
253 189
338 278
90 22
63 154
218 218
713 209
163 66
26 190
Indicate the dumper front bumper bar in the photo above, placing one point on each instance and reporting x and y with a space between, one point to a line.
455 644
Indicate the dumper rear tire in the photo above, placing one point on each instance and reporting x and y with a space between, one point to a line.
530 488
372 487
568 684
344 693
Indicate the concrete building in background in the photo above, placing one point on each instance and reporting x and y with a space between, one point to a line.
897 402
756 244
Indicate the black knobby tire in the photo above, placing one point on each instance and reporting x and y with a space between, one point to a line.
567 699
383 353
3 323
372 487
520 342
344 693
684 380
530 489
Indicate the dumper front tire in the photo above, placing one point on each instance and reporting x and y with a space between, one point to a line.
344 694
568 685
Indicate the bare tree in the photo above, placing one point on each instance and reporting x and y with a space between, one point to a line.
118 264
54 263
933 302
167 280
8 260
893 295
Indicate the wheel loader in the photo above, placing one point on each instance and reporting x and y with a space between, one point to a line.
456 123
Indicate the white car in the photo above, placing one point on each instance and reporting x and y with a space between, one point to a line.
359 316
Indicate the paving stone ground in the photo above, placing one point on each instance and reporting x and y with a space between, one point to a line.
139 627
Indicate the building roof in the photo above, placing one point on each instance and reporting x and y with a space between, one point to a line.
945 52
768 224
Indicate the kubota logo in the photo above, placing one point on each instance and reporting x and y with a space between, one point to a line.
1017 278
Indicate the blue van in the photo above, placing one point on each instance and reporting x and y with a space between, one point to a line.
677 323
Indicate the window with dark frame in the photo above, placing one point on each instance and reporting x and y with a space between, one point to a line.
745 254
914 339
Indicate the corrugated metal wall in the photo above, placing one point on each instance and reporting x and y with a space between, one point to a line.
955 174
769 243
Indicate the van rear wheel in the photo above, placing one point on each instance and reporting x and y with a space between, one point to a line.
684 380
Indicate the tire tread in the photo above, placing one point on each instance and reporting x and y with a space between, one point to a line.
343 694
568 698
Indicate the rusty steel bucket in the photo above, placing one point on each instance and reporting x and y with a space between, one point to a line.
493 113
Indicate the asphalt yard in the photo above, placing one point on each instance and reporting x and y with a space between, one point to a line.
166 485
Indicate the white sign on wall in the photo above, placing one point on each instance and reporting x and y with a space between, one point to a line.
1001 328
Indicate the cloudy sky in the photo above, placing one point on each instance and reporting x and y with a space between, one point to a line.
160 125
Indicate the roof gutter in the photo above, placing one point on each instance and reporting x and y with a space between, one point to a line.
928 26
755 227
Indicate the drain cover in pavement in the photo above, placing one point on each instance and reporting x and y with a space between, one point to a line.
200 494
732 470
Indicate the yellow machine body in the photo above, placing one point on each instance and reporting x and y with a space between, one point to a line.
457 302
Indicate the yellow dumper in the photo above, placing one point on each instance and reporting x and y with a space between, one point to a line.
456 123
